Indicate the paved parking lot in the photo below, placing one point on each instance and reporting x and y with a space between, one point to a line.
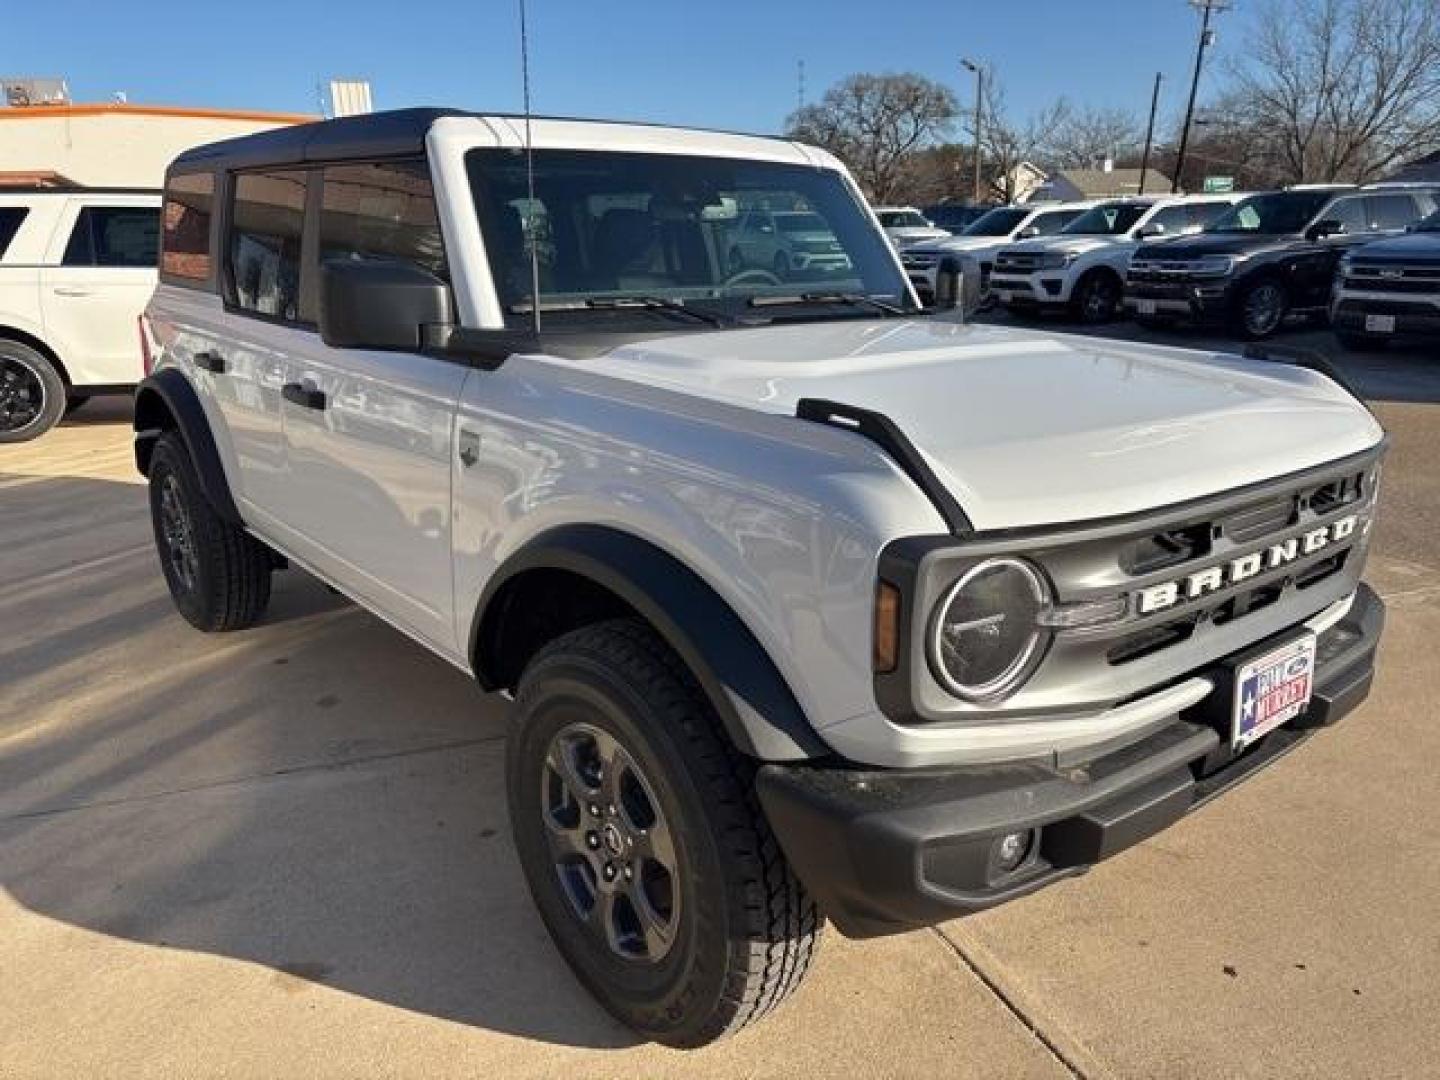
284 852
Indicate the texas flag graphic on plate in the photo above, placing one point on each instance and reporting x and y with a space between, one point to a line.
1272 689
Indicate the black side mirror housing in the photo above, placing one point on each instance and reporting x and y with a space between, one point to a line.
1322 229
382 304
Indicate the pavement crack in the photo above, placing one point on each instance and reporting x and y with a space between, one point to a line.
234 781
1013 1007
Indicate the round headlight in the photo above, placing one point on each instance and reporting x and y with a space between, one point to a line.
986 630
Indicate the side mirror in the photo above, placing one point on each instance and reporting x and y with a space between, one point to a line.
1321 229
381 304
957 285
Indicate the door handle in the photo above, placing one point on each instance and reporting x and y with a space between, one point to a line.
72 290
211 361
305 396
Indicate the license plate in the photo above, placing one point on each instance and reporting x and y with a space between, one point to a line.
1380 324
1145 307
1272 689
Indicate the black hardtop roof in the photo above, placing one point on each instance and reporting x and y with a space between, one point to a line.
395 133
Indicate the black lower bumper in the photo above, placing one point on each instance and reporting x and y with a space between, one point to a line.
1412 321
886 850
1202 304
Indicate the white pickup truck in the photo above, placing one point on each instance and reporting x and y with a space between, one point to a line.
1081 269
76 268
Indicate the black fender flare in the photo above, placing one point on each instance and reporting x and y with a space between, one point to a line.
751 697
166 401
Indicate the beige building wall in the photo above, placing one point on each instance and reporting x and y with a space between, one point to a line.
116 145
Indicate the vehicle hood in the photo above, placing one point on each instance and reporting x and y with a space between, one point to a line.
962 243
1070 245
1195 247
1029 428
1403 248
916 233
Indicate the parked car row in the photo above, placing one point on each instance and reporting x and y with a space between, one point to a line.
1369 258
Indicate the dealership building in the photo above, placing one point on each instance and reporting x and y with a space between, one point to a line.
113 145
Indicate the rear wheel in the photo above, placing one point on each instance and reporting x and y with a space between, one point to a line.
1260 309
644 846
32 394
218 574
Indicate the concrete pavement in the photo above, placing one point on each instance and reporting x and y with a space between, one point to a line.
285 852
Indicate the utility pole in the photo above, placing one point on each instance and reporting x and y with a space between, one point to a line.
1207 37
979 72
1150 131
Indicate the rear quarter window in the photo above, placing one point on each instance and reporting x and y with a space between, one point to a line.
11 218
114 236
266 225
185 220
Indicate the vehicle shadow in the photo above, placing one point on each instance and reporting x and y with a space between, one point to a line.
1401 373
318 795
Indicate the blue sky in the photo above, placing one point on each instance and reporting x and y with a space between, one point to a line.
715 65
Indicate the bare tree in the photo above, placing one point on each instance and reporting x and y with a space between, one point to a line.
1006 144
1341 89
875 123
1077 138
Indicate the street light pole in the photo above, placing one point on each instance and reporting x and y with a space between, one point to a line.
970 65
1150 131
1209 7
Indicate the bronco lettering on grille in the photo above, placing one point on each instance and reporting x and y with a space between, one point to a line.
1215 579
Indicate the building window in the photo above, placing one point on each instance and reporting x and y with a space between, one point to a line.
381 211
186 221
114 236
265 232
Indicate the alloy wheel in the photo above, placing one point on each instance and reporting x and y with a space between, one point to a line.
179 535
22 394
612 848
1264 308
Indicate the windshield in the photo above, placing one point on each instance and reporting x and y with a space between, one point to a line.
998 222
1111 220
1278 212
685 234
901 219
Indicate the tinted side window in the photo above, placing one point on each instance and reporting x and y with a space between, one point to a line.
1350 213
1176 219
1202 214
113 236
265 229
11 218
1392 211
186 222
381 211
1053 223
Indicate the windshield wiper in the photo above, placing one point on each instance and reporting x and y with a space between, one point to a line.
620 303
852 299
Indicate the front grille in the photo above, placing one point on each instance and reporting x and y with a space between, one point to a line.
1260 519
1166 273
919 260
1012 262
1393 278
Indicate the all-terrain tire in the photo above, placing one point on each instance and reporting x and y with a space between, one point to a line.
218 574
32 393
746 930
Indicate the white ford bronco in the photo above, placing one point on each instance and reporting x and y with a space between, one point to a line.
812 605
76 268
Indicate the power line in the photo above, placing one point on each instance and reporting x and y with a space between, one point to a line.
1207 38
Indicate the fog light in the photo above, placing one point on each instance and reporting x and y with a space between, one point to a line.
1011 849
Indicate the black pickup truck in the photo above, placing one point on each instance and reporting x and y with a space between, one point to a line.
1270 259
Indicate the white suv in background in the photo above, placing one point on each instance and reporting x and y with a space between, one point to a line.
76 269
905 225
983 238
1082 269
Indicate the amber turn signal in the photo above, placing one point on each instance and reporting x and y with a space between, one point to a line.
887 627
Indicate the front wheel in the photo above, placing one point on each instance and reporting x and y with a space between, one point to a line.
1096 298
1260 309
32 394
218 574
643 843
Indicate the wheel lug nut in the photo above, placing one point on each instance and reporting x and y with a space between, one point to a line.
610 809
592 840
609 871
629 873
594 809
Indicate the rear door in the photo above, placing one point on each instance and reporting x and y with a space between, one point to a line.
369 448
99 275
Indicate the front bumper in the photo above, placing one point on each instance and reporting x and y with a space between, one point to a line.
1047 288
885 851
1202 302
1413 320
